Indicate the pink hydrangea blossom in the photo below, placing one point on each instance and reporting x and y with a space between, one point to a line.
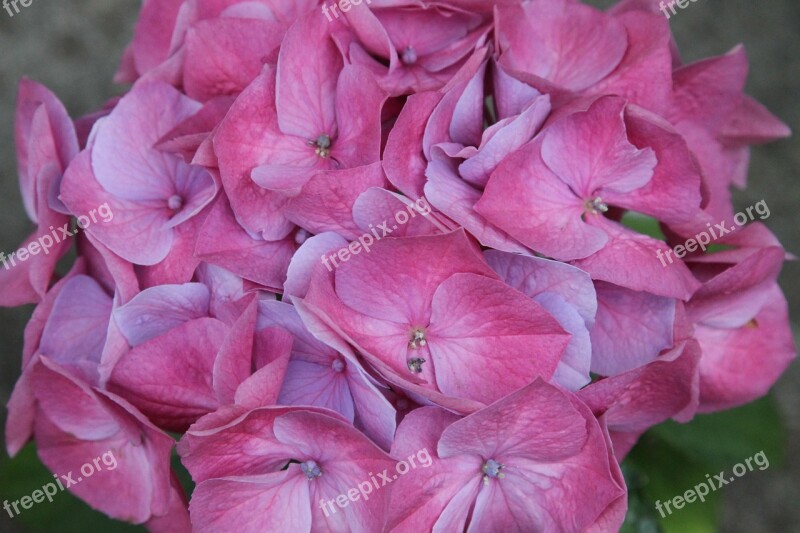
340 241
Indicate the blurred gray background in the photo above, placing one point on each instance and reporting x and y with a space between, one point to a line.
73 47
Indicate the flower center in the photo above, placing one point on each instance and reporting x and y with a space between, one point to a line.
175 202
492 470
596 205
417 339
322 145
311 469
301 236
338 365
409 56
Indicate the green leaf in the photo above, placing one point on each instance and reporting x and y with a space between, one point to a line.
727 438
643 224
673 458
667 473
183 475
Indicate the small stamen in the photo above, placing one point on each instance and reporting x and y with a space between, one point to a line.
338 365
491 470
322 144
175 202
409 56
301 236
415 365
596 205
417 339
311 470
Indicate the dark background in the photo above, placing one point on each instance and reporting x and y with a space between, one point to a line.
73 47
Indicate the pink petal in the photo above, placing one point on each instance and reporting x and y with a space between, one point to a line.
482 337
169 378
631 329
630 260
157 310
567 43
308 69
226 54
554 227
590 151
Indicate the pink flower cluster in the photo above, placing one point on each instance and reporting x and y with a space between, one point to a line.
520 330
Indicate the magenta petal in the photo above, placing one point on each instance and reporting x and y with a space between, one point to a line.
308 259
326 201
169 378
644 76
482 336
78 413
222 241
733 297
507 139
554 227
459 201
359 139
741 365
159 309
263 387
226 54
636 400
376 205
570 44
244 141
234 362
55 141
75 333
631 329
21 412
631 260
403 159
78 424
123 161
590 151
252 504
308 69
135 232
397 280
312 384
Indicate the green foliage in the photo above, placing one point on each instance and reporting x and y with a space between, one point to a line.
673 458
643 224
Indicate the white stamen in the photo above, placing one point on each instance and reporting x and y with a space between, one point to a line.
491 470
417 339
311 470
409 56
596 205
322 144
175 202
